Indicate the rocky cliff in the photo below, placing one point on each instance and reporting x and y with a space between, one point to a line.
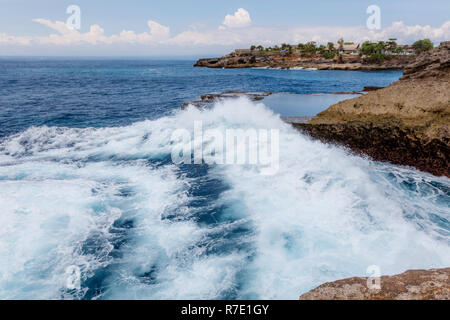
255 59
406 123
431 284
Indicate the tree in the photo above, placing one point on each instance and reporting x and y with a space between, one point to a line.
260 48
310 47
329 54
330 46
423 45
381 47
392 45
252 48
376 58
341 43
367 48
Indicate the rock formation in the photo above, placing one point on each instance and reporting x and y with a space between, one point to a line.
431 284
406 123
256 59
206 100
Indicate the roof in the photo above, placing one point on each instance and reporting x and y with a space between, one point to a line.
351 47
243 50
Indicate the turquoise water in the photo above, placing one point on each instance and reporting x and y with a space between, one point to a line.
306 105
87 184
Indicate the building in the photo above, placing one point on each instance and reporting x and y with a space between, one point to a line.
243 51
352 48
407 50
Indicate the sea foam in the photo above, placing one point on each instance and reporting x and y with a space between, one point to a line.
110 202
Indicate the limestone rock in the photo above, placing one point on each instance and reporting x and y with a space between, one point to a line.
431 284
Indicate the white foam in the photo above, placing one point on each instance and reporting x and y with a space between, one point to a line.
325 215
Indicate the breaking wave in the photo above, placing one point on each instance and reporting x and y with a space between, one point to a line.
111 202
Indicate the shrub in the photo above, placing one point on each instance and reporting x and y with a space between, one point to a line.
423 45
329 55
376 58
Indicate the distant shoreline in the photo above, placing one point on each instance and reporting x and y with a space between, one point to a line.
256 59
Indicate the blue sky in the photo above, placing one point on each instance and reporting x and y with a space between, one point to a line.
322 19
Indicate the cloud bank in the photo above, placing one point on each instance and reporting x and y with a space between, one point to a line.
235 31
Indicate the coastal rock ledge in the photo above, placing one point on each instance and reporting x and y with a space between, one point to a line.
254 59
431 284
406 123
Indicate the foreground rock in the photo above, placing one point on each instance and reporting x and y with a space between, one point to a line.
255 59
431 284
406 123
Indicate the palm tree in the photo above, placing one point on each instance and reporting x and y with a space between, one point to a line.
341 43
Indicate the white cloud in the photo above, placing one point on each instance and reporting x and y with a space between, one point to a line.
199 40
66 36
12 40
269 36
240 19
158 33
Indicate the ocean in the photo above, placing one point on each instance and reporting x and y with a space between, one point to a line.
93 207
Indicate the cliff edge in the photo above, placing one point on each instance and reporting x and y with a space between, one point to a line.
406 123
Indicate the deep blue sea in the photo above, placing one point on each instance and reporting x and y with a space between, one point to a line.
93 207
100 93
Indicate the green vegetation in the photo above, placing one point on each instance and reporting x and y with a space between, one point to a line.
329 54
423 45
310 47
368 48
376 58
375 52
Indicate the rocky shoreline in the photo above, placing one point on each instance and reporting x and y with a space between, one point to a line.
431 284
288 61
406 123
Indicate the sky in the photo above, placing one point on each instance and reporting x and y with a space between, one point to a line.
198 27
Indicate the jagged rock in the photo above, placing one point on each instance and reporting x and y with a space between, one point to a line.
209 98
371 88
431 284
434 63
